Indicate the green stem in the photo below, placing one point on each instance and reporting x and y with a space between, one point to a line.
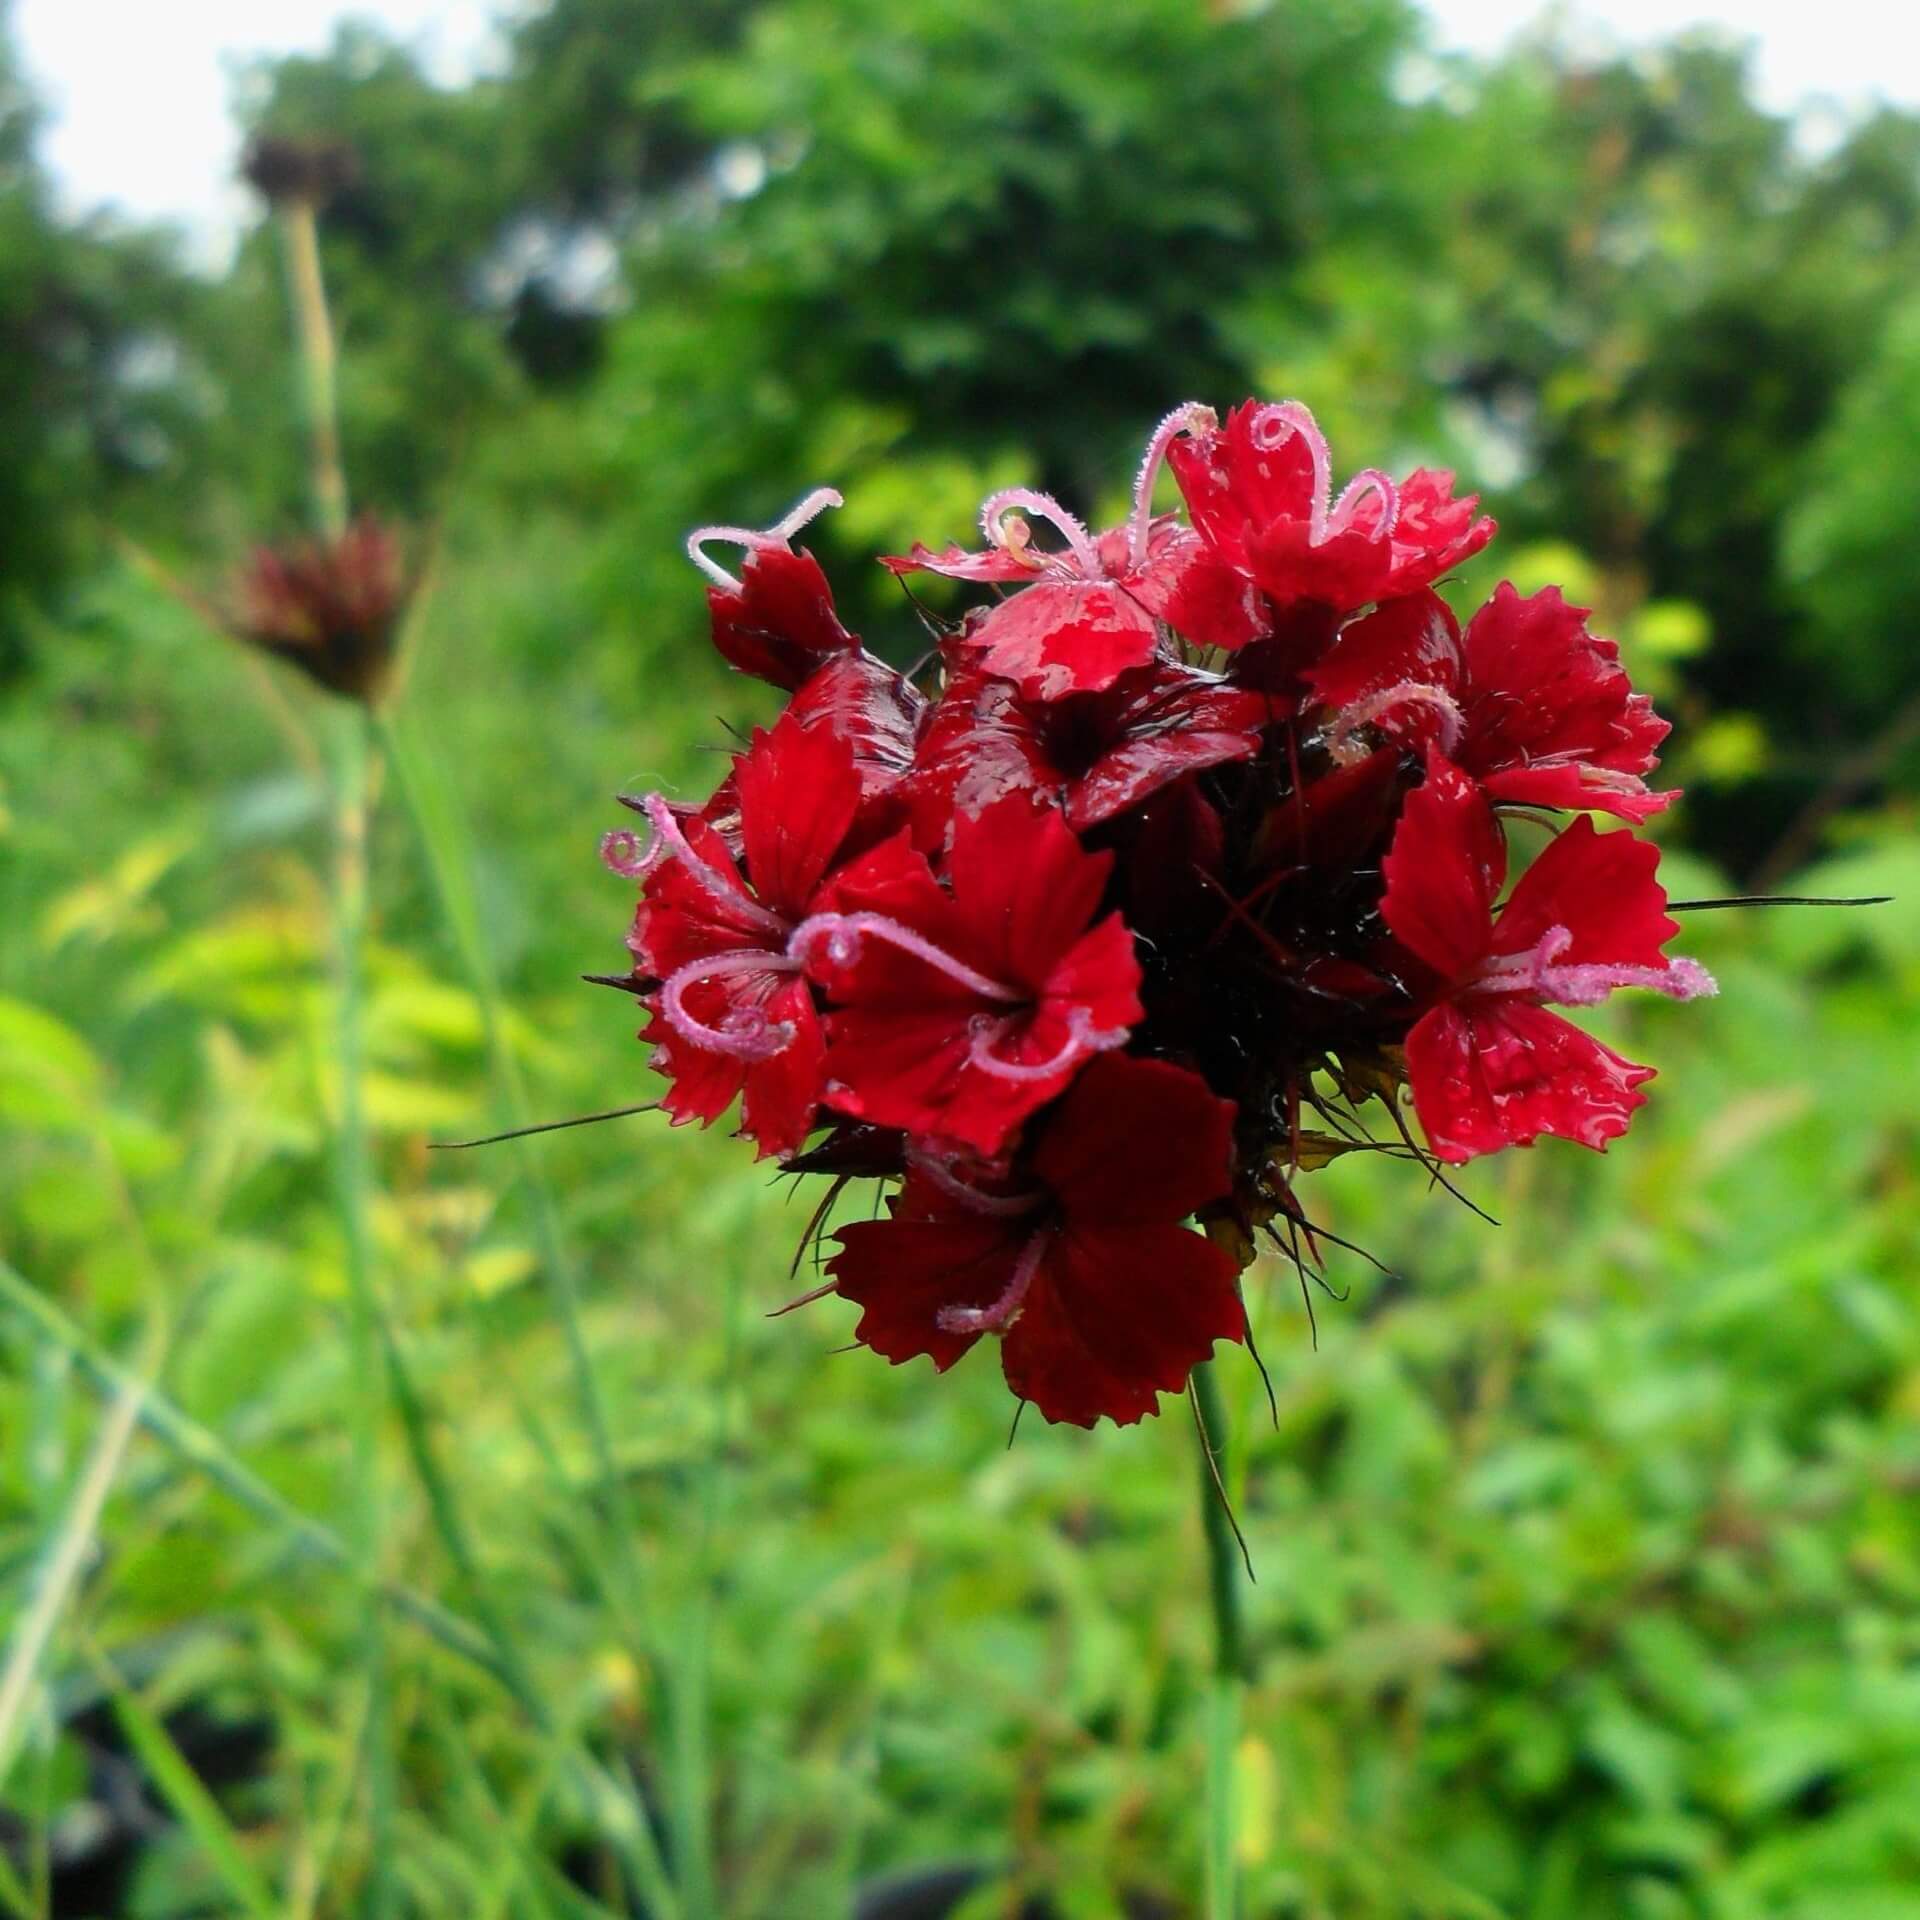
1227 1681
352 1160
319 365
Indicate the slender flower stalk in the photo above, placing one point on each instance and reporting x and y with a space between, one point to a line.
1226 1684
300 238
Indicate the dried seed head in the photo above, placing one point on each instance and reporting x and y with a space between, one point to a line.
330 608
286 169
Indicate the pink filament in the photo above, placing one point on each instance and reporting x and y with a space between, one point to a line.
995 508
1370 480
746 1033
1082 1038
841 934
992 1318
939 1170
712 881
1587 983
780 534
1191 417
622 853
1403 693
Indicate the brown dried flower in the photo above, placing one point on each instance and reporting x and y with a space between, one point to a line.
331 608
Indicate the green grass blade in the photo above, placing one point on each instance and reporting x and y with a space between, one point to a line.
201 1449
13 1892
66 1556
195 1807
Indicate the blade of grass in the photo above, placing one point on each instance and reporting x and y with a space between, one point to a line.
184 1792
66 1557
13 1892
201 1449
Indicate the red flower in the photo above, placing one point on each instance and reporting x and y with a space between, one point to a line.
776 621
732 1013
960 1012
1104 1300
1530 703
1098 753
1259 491
1489 1066
1089 613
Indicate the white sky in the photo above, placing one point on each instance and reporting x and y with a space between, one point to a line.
138 91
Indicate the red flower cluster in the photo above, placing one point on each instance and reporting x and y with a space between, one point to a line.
1191 828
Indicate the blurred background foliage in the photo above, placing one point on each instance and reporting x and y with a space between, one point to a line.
1589 1568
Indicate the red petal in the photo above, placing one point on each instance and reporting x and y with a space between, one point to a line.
875 710
980 744
1444 872
1234 487
996 563
704 1085
1499 1072
1065 636
1136 1142
1116 1318
1199 595
1344 571
779 623
1434 532
680 918
1414 639
1543 693
1024 890
1602 888
904 1270
782 1093
798 794
1170 722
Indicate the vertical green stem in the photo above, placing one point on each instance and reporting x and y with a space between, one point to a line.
319 365
1228 1678
352 1168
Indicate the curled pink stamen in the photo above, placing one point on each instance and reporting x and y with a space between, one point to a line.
780 534
1190 418
668 836
837 938
1082 1038
997 506
992 1318
1370 481
1376 706
938 1169
808 508
1587 983
746 1033
623 854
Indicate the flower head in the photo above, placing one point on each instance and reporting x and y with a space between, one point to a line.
1149 888
774 621
1529 702
1260 491
1077 1259
331 608
1489 1066
1090 610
